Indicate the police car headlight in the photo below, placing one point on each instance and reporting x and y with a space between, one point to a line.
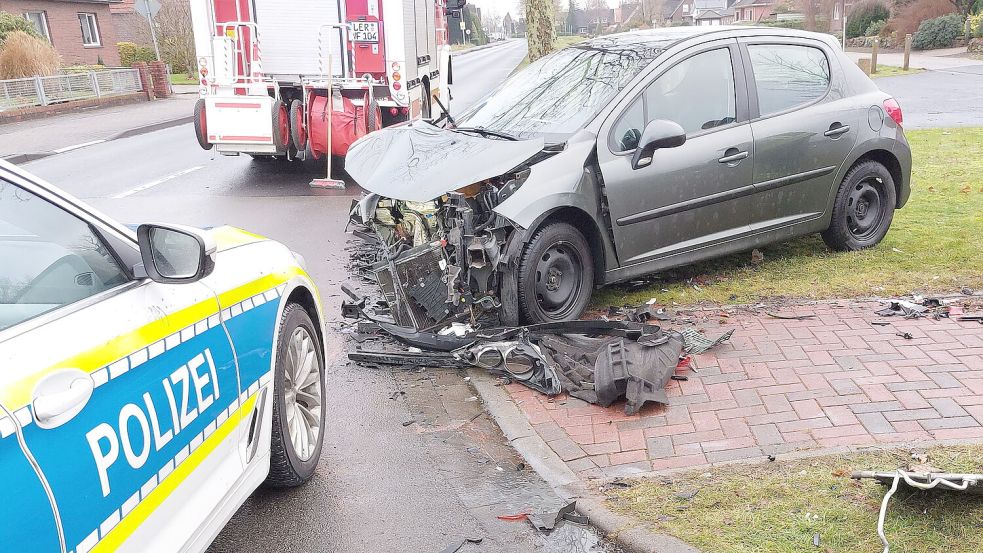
300 260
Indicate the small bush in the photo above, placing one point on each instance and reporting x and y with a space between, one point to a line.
861 17
976 25
875 28
129 53
10 23
23 55
940 32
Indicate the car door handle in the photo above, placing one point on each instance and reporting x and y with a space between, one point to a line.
60 396
732 155
835 131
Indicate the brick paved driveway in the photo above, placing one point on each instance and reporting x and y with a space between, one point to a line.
780 386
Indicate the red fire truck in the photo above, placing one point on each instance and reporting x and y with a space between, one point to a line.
270 70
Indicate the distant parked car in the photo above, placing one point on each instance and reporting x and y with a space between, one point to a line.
633 153
149 380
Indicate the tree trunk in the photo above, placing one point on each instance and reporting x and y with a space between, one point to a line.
540 33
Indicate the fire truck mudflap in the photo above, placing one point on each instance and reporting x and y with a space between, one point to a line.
245 122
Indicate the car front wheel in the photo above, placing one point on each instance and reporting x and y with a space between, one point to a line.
863 208
298 400
556 275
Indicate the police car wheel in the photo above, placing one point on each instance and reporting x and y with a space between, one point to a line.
298 400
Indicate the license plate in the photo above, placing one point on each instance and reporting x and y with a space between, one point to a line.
365 31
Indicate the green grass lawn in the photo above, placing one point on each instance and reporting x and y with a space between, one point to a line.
181 78
935 244
779 507
893 71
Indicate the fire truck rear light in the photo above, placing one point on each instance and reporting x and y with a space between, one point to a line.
397 86
395 66
893 109
204 82
406 111
396 76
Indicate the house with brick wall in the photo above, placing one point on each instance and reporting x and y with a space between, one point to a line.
82 31
753 10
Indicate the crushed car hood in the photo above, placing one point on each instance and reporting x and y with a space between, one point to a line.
419 162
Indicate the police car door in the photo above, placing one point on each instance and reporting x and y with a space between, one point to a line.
125 390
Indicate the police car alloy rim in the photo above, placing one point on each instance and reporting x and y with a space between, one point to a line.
302 393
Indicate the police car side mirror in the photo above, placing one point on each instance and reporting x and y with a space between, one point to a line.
174 254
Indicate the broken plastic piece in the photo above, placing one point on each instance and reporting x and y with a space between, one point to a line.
695 342
546 522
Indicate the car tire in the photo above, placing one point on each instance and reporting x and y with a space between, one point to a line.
863 208
298 130
281 127
201 125
293 459
556 275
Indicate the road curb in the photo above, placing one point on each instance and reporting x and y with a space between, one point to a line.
18 159
628 533
479 48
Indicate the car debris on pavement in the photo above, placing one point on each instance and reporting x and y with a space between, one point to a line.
969 483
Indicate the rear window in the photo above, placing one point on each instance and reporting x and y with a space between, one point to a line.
788 75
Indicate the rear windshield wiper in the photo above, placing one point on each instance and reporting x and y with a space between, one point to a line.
486 132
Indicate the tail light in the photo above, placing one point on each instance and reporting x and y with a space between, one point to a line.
893 110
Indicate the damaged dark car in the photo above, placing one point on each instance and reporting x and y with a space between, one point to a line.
621 156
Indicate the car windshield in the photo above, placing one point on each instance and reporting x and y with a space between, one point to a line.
560 93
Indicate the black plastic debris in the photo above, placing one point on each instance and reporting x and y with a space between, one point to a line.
547 522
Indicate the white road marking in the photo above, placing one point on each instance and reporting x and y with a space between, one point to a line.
77 146
154 183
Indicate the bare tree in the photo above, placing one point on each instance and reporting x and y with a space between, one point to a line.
174 34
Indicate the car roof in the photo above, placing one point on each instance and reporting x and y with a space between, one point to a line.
662 38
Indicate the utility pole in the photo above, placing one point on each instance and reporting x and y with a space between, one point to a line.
153 32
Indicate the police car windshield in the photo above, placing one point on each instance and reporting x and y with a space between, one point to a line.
560 93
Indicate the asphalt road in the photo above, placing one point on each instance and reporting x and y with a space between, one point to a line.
939 98
380 485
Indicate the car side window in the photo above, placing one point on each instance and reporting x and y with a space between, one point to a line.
788 75
48 257
698 93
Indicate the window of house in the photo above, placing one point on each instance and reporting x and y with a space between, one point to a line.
40 22
836 11
685 8
788 75
90 29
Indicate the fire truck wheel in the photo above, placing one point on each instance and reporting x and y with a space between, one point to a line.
298 131
201 125
373 119
281 127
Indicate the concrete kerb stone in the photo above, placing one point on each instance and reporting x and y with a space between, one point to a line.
478 48
523 437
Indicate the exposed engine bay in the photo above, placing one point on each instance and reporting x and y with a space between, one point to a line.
439 261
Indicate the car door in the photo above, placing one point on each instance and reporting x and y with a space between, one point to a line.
28 516
126 389
804 127
694 194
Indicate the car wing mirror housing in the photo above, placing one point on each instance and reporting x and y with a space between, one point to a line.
658 134
174 254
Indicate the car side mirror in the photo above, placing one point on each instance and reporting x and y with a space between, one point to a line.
174 254
658 134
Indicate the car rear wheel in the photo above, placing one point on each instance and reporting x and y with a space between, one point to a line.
863 208
298 400
556 275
